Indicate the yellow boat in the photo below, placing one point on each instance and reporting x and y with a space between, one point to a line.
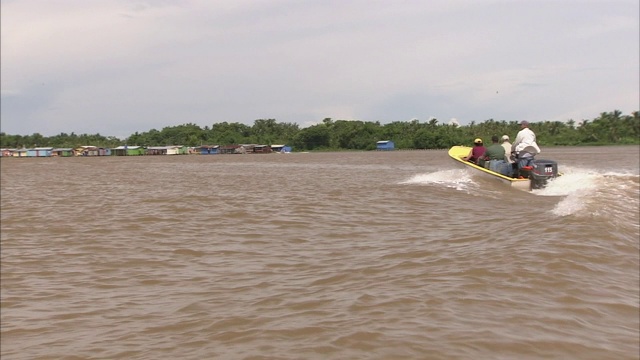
534 178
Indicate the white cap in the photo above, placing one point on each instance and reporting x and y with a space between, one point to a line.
504 138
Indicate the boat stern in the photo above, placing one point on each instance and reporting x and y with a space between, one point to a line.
540 172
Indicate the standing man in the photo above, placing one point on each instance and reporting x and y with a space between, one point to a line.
525 145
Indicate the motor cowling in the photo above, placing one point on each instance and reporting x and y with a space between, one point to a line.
541 171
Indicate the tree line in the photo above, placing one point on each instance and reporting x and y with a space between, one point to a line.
607 129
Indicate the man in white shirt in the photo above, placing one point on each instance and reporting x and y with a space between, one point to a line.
525 145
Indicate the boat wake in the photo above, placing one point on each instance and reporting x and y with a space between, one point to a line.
583 192
458 179
587 193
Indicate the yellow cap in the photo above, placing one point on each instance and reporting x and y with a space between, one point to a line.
477 141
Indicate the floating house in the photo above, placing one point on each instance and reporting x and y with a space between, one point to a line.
19 152
88 150
166 150
385 145
177 150
246 148
156 150
125 150
64 152
261 149
254 149
209 149
281 148
39 152
84 150
231 149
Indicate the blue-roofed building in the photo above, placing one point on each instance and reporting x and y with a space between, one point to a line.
281 148
209 149
385 145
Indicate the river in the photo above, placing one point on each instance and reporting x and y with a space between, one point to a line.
341 255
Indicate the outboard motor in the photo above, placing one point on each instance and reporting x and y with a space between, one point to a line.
540 172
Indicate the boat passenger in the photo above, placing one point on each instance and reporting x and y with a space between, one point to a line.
494 155
510 166
525 146
476 154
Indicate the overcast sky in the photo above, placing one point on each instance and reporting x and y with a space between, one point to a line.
115 67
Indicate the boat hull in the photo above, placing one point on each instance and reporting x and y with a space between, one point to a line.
458 152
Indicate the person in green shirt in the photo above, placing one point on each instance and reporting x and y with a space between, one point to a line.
494 155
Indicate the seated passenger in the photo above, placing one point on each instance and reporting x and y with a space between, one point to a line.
511 165
494 155
477 152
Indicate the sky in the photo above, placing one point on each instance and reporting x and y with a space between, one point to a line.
116 67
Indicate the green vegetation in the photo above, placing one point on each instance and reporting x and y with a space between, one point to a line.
608 129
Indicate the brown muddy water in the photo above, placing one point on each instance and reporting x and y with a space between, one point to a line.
355 255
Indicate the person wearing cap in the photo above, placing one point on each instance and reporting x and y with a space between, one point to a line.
494 155
525 146
477 152
510 163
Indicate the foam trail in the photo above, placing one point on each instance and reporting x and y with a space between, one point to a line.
589 193
569 183
457 179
